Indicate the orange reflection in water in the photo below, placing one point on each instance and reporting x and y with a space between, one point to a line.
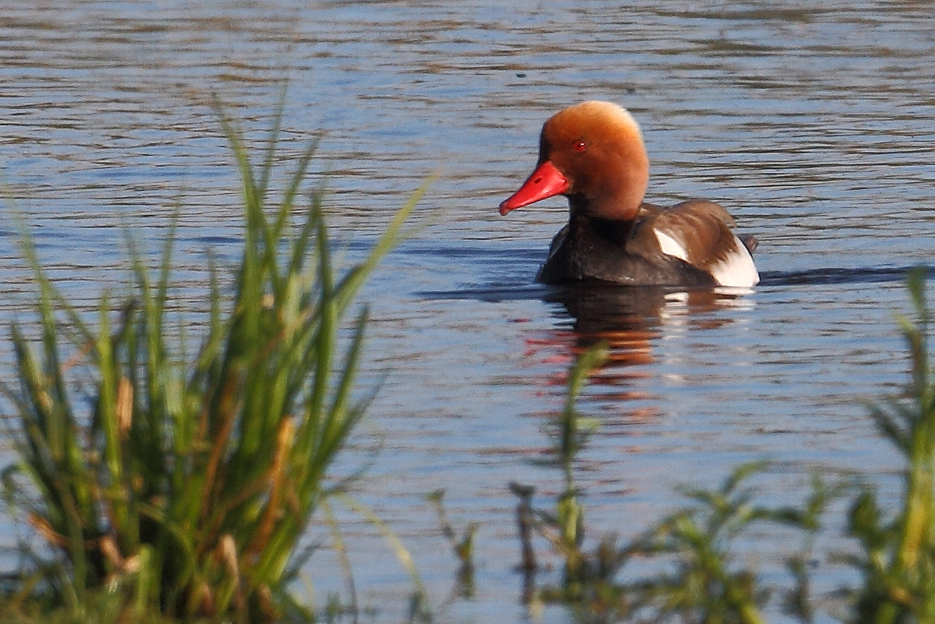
630 321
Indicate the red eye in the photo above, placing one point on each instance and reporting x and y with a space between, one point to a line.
580 146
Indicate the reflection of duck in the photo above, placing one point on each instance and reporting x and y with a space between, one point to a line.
627 319
593 153
631 321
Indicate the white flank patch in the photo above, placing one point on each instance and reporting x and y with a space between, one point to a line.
670 246
737 269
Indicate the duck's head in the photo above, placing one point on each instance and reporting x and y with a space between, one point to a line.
593 153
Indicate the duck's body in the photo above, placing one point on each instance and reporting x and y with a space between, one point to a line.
690 244
593 153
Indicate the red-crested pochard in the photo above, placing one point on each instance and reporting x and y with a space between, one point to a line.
593 153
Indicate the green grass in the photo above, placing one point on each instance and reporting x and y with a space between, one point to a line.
898 549
187 485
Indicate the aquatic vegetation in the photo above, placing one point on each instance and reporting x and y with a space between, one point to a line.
186 486
462 546
898 550
700 578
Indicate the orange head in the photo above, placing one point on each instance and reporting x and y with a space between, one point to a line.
593 153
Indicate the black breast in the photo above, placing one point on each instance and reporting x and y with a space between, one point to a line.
595 249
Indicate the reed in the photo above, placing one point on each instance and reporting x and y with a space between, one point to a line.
185 489
898 549
462 545
584 574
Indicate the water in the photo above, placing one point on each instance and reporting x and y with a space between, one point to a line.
810 122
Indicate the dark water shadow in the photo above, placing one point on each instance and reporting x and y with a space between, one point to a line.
812 277
861 275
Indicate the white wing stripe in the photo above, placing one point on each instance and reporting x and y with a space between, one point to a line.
670 246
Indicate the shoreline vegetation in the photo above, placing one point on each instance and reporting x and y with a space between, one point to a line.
159 487
184 491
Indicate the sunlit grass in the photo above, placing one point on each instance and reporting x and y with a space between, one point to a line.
898 549
183 485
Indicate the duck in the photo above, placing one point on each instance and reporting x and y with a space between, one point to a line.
593 153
